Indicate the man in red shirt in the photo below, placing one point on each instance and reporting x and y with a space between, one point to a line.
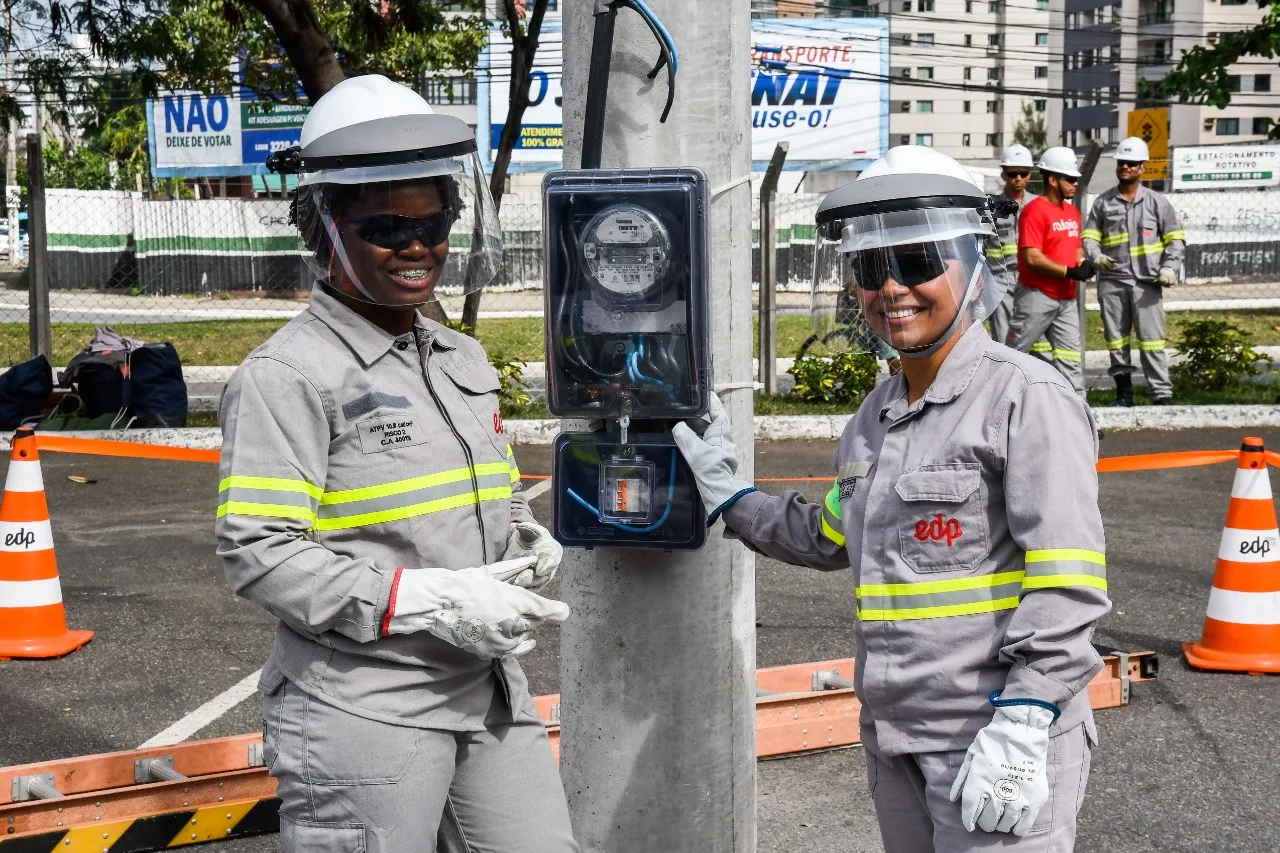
1050 262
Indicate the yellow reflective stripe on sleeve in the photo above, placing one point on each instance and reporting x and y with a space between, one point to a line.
831 520
266 510
1118 344
515 469
1066 355
1115 239
1146 249
1009 249
994 254
400 513
1091 234
271 484
1042 346
1058 581
1175 235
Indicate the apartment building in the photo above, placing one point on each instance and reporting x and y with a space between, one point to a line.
1110 48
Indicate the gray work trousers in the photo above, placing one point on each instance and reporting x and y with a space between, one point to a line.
1136 307
913 807
1037 315
1001 318
348 784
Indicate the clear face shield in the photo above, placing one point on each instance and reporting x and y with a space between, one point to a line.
910 279
401 234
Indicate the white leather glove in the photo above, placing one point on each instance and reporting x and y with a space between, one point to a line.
709 450
530 539
1004 781
1104 263
470 609
1167 277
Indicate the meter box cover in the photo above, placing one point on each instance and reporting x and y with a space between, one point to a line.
639 494
626 292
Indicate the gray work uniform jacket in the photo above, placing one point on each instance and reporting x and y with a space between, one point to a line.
1142 236
1002 256
971 521
348 452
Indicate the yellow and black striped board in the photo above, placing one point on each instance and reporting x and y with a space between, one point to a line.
156 832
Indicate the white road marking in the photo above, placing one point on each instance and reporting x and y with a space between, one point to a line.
206 713
537 488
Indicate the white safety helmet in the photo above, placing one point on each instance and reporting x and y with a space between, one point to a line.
1059 160
392 201
899 253
1018 156
1132 150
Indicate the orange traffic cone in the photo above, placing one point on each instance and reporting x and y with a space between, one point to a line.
33 623
1242 627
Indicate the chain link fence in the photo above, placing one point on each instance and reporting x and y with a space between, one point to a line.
217 276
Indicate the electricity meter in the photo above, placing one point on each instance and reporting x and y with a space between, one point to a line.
627 347
633 494
626 285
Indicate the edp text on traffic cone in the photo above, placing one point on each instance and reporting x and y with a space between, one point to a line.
33 622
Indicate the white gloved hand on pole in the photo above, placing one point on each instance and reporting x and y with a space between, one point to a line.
530 539
1004 781
710 453
1104 263
470 609
1167 277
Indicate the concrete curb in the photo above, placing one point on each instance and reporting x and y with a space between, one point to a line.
542 433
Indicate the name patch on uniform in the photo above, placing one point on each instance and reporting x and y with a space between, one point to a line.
381 434
849 475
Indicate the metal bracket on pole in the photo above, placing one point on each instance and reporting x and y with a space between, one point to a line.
256 758
158 769
769 272
39 787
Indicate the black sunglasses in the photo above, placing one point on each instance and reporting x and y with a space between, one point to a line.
908 265
395 232
1017 174
1070 179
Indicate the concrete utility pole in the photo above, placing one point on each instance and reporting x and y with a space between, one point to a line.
12 192
658 669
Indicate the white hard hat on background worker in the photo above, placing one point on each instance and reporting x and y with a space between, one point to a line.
1017 155
973 678
1132 150
370 502
1059 160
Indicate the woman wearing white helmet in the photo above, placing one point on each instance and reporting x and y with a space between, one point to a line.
370 502
965 500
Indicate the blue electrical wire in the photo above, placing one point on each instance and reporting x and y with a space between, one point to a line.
666 36
649 528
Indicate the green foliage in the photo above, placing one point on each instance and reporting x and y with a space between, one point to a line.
1217 355
512 392
170 45
1200 77
841 378
1031 129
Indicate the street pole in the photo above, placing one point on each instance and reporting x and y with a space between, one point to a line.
657 676
12 194
769 272
1087 168
38 268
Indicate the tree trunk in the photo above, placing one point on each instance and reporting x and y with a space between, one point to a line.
524 47
297 27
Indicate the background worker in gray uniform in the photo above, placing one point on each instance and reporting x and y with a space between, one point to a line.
966 502
1051 263
1133 238
370 501
1002 256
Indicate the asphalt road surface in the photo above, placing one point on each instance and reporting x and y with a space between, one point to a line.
1189 765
